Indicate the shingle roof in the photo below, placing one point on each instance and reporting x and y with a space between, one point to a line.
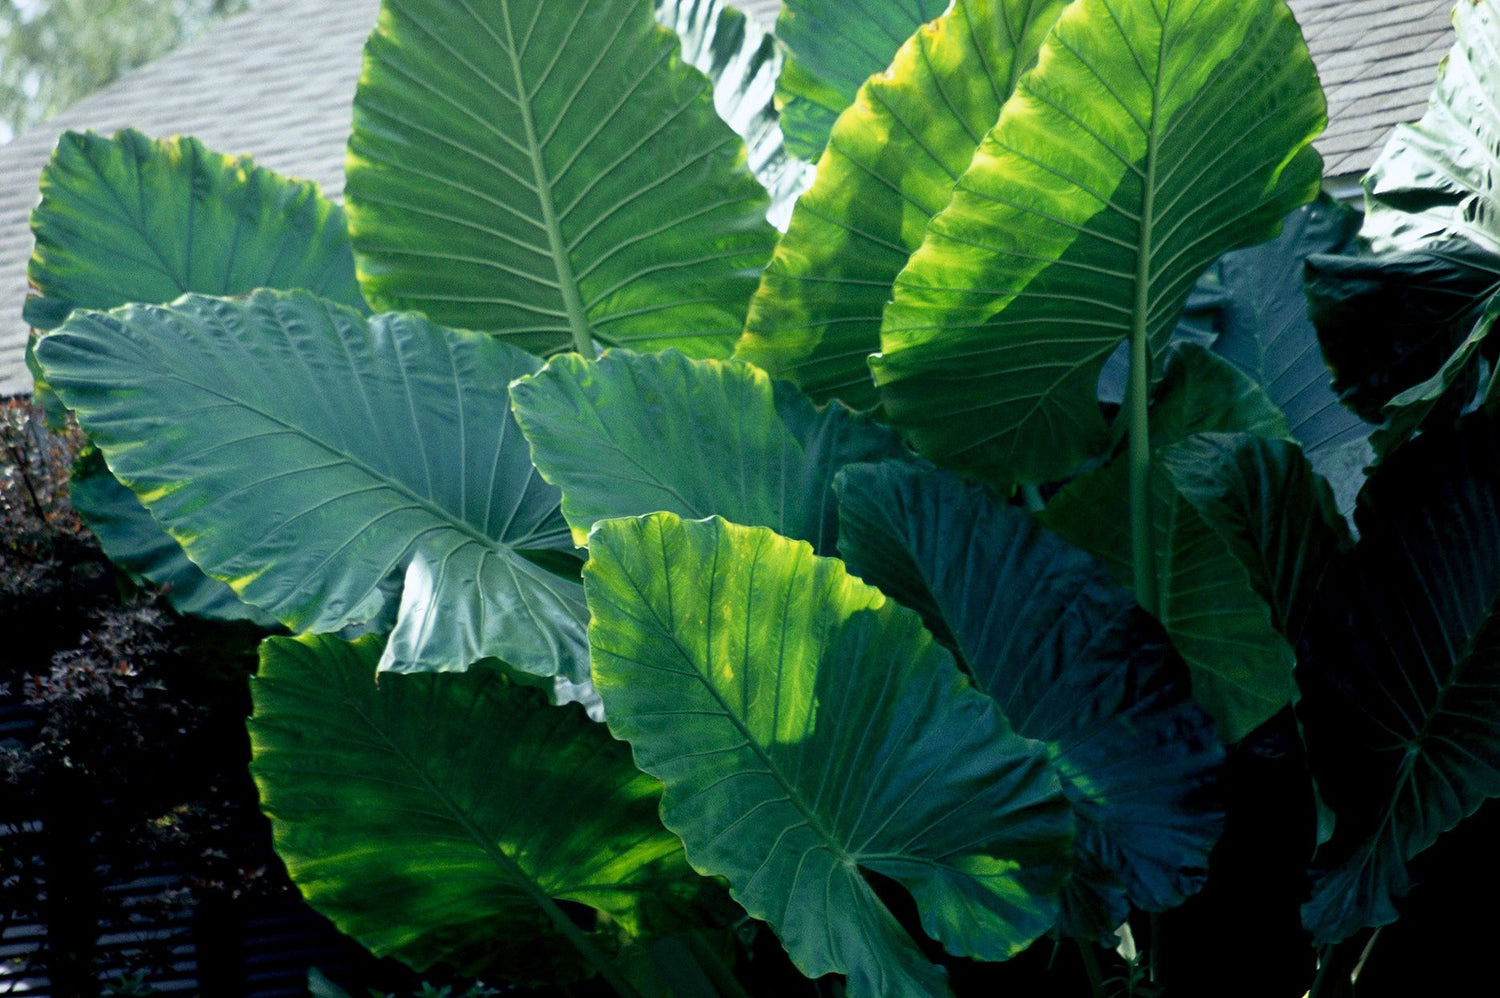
1378 61
277 83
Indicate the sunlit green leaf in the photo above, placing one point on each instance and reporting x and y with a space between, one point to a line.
1146 142
552 174
631 434
133 219
441 817
890 166
807 730
835 45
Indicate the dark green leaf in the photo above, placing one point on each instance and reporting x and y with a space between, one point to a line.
1400 672
1263 325
806 730
890 166
1088 213
1243 529
1270 509
441 817
1072 661
631 434
1402 331
303 454
552 173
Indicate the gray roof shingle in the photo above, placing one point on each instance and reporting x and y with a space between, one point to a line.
276 83
1378 61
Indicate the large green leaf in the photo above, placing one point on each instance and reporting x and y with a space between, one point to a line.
1400 672
742 59
1146 142
631 434
1243 527
890 166
1072 661
441 817
553 173
834 46
1403 332
806 730
1271 511
1263 327
132 219
304 454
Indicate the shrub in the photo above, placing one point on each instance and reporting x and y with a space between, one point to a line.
924 650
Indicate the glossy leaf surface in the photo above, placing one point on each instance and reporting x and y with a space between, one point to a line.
373 451
631 434
552 173
807 729
1434 179
433 814
890 165
835 45
1403 323
1147 141
1071 660
1402 670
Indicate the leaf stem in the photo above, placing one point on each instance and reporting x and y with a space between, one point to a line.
1142 543
586 948
1032 496
1091 967
1338 965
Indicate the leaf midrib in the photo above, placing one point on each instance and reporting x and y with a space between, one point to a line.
567 281
792 792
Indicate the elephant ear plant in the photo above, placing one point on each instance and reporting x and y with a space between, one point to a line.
913 639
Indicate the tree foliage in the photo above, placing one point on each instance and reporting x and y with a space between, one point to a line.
53 52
